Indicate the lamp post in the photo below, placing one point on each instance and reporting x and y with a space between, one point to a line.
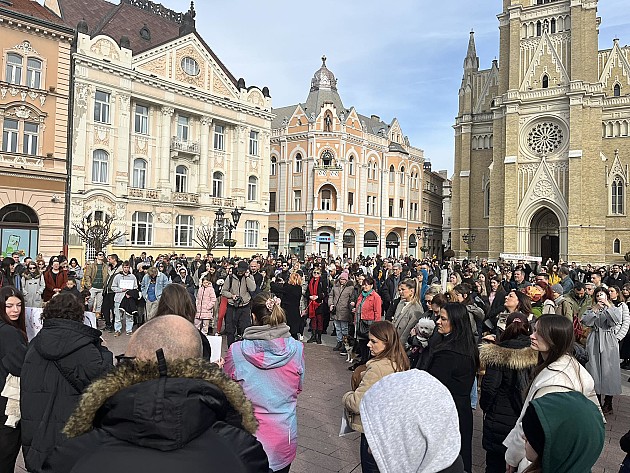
229 225
425 233
469 239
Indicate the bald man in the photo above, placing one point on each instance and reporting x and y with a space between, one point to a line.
190 418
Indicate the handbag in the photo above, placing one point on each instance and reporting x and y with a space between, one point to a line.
364 328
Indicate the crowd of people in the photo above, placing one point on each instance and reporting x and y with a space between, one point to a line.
513 341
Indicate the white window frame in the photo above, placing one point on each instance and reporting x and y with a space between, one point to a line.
351 166
274 166
297 200
274 201
183 127
181 179
10 136
139 173
100 166
219 137
141 119
252 188
142 221
217 184
298 163
13 71
252 230
34 73
101 107
617 198
253 143
184 228
325 203
30 141
350 202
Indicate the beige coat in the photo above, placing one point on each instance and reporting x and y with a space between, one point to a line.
375 371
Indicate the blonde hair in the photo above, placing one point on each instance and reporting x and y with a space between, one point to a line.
264 314
413 284
295 279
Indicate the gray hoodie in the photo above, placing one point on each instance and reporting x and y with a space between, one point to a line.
411 423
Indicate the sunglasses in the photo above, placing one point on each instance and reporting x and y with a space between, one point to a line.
32 267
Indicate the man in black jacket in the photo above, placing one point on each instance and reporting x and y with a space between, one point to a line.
177 414
389 290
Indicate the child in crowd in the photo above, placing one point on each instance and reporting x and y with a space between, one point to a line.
206 298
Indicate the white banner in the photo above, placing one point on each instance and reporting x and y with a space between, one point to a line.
34 321
513 257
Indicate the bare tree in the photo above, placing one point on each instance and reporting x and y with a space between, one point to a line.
208 238
97 233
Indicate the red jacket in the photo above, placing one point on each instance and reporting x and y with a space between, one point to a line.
49 281
372 308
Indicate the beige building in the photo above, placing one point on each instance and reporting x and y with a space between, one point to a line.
342 183
542 143
163 134
34 89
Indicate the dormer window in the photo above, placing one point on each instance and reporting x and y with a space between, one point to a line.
145 33
545 81
327 158
617 90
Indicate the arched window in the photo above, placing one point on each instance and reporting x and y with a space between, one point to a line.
252 188
617 196
274 166
181 178
326 199
402 176
33 73
392 174
100 165
616 246
184 225
14 69
374 170
139 173
19 229
327 158
617 90
217 184
486 200
545 81
298 163
539 29
351 166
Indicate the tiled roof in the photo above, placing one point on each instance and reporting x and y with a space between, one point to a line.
92 11
31 8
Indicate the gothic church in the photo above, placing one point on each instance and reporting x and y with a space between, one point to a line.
542 142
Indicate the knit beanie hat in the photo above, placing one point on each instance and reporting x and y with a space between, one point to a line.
558 289
533 430
344 275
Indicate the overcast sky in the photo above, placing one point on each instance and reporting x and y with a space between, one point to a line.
400 58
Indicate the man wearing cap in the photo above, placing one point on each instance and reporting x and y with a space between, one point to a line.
563 306
237 289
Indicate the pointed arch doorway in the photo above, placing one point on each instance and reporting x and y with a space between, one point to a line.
545 235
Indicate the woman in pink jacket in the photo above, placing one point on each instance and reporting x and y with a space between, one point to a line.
367 310
206 298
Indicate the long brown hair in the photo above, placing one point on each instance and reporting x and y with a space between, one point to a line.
264 315
394 351
176 300
557 332
20 323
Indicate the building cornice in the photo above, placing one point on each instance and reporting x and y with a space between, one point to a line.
137 76
37 25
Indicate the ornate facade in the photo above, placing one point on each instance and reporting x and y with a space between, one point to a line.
342 183
542 142
163 134
34 90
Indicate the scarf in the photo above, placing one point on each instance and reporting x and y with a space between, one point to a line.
313 285
364 296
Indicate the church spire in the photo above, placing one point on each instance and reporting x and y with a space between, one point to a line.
471 63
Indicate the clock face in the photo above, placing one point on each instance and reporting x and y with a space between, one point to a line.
190 66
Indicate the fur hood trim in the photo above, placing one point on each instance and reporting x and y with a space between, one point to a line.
511 358
127 375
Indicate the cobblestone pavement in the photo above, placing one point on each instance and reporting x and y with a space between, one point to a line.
321 450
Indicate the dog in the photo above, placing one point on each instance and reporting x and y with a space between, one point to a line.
348 344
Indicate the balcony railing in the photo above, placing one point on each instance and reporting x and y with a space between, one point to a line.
151 194
190 147
185 198
224 202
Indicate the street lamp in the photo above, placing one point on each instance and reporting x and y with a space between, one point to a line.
425 233
469 239
229 225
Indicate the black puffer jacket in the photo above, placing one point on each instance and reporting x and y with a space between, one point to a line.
503 387
12 351
62 361
194 420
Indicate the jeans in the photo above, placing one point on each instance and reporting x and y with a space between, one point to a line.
118 319
342 329
368 464
96 300
474 395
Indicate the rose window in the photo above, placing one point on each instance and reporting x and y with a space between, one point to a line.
545 138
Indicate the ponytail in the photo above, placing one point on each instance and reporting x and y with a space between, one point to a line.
267 310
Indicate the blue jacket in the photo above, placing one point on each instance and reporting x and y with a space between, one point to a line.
160 283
